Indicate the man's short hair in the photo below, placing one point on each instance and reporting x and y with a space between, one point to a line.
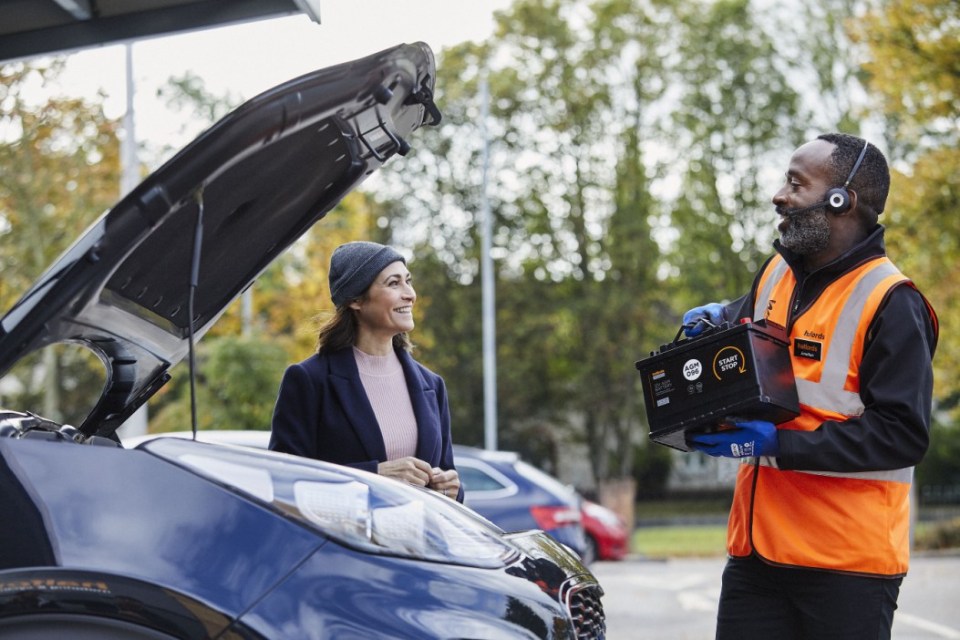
872 180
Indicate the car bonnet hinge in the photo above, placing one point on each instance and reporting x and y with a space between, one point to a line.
399 145
424 96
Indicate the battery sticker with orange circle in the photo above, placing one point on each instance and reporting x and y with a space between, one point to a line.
729 362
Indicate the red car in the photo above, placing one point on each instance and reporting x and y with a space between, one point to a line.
606 533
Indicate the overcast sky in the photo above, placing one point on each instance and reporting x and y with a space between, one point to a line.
248 58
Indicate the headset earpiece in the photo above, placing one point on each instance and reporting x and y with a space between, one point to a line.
837 200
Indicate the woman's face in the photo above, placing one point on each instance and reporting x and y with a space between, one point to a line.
387 307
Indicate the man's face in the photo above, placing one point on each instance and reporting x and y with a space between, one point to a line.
807 180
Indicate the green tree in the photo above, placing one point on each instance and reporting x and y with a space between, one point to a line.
60 160
234 374
576 265
736 107
61 170
913 73
813 49
187 95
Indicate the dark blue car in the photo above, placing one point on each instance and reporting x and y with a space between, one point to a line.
179 538
516 496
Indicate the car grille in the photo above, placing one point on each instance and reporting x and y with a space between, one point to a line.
586 611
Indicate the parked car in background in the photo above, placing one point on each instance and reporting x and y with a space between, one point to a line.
254 439
181 539
517 496
606 534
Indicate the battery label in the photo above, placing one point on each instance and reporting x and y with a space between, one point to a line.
662 386
729 363
692 369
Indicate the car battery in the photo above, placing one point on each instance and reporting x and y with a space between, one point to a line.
695 385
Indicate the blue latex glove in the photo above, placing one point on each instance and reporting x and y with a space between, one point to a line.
695 320
750 438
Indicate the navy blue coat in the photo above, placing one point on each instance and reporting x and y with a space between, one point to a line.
322 412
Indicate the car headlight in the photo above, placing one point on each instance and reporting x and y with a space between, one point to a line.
356 508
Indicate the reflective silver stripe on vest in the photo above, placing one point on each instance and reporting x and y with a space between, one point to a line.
904 475
829 392
763 296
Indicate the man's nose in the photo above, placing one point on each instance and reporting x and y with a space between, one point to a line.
779 198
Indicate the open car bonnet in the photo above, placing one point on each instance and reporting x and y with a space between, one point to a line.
257 179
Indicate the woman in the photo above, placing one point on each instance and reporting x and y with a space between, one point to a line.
362 400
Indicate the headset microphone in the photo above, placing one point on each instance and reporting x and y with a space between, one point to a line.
790 213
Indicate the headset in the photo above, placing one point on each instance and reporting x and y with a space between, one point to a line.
838 198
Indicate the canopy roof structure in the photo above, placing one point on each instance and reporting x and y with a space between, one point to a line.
31 28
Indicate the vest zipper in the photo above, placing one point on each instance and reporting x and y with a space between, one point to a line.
794 306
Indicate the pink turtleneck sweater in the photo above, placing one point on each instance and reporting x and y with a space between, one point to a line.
386 387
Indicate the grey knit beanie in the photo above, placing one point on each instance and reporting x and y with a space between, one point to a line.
354 265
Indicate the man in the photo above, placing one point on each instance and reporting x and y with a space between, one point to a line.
818 535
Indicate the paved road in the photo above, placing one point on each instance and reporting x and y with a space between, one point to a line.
677 599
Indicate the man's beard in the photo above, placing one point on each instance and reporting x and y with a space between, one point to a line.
807 233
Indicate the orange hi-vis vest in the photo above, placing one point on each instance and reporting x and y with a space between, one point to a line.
850 522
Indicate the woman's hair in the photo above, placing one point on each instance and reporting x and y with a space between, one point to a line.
340 331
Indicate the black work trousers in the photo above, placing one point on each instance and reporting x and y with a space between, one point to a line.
759 601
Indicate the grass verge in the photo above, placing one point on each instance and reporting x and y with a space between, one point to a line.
680 541
704 541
